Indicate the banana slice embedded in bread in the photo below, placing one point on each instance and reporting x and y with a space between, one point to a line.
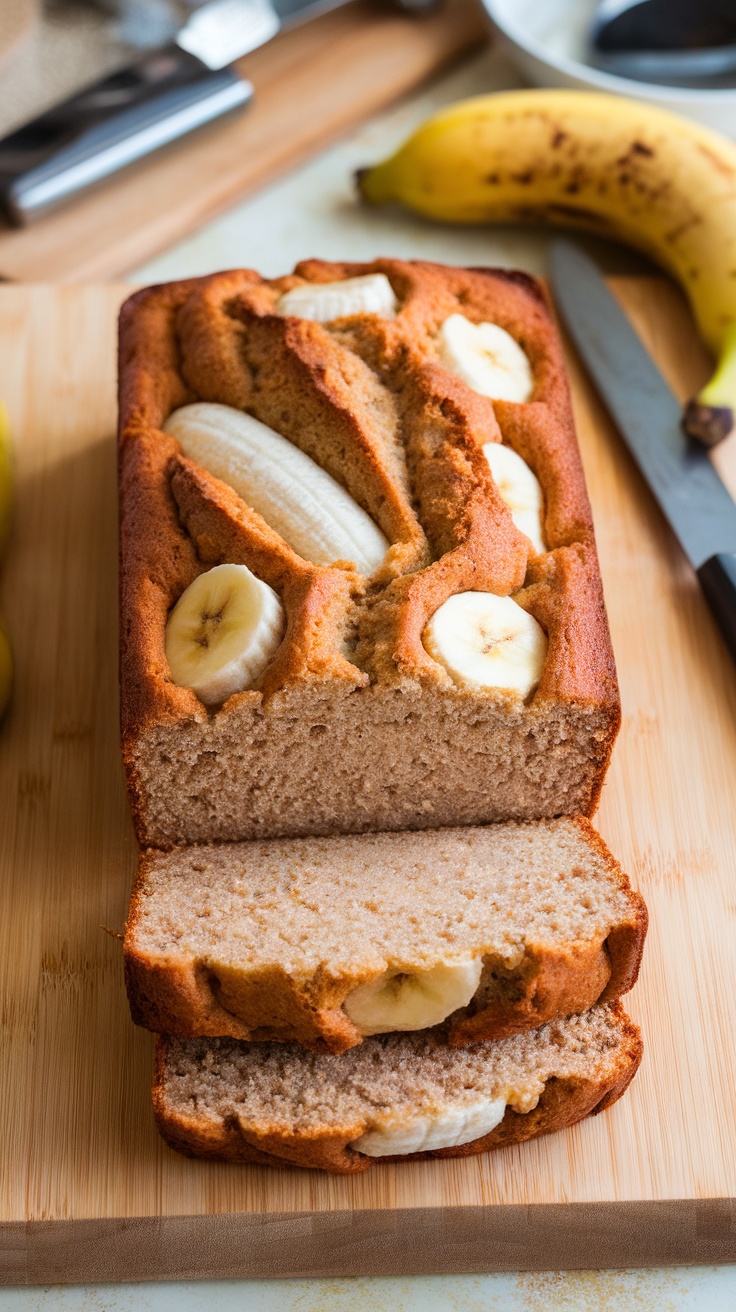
325 301
325 940
487 358
485 641
299 499
223 632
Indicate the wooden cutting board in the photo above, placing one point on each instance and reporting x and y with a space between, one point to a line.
89 1192
313 85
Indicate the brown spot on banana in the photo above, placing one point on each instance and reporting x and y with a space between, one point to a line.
675 233
636 148
558 212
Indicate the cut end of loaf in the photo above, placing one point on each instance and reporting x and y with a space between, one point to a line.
368 399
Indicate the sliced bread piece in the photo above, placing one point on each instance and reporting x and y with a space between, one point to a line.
398 1096
325 941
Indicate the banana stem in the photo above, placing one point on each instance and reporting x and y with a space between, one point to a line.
374 185
710 416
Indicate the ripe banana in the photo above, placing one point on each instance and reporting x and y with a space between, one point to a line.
413 999
485 641
519 488
326 301
445 1128
618 167
486 357
311 511
222 632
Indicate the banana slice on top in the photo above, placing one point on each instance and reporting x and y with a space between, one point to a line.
325 301
300 500
485 641
223 632
519 488
402 999
487 358
445 1128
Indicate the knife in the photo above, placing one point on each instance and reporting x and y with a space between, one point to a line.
162 95
690 494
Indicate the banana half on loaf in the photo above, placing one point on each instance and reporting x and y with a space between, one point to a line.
359 583
489 931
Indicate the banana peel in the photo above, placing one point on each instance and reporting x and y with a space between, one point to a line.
617 167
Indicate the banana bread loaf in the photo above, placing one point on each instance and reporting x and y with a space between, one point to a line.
398 1097
371 472
327 940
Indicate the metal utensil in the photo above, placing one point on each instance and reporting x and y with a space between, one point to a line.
162 95
675 42
690 494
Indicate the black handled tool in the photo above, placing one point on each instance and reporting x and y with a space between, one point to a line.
694 500
161 96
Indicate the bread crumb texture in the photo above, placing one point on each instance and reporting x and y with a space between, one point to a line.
267 939
220 1097
353 726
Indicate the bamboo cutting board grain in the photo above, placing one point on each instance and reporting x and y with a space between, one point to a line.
312 84
88 1192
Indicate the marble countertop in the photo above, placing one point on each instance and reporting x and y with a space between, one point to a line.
678 1289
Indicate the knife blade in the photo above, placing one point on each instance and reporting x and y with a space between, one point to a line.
690 494
162 95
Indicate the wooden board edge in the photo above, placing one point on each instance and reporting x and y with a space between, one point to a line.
411 1241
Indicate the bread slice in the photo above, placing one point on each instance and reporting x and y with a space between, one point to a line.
353 726
267 940
276 1103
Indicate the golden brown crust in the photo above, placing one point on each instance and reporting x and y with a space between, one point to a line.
562 1103
370 399
180 994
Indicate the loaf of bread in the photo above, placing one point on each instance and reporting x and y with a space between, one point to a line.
352 722
324 941
397 1097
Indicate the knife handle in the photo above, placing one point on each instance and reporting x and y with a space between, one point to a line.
161 96
718 581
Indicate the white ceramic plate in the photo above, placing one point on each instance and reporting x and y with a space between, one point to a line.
547 41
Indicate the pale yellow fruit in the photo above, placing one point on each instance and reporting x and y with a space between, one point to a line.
326 301
486 357
487 642
427 1131
296 496
520 489
223 632
405 998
